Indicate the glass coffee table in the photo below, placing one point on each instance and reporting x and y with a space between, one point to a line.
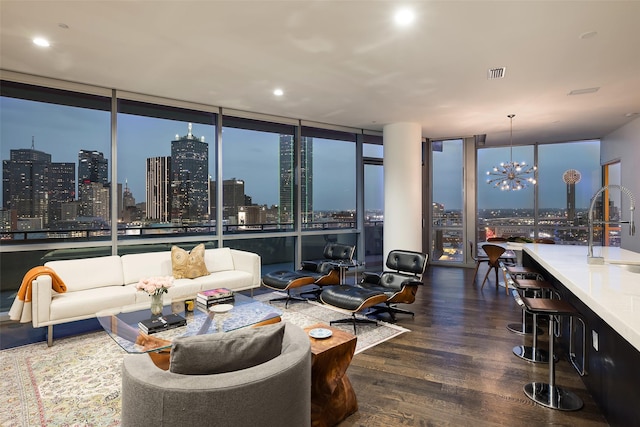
122 323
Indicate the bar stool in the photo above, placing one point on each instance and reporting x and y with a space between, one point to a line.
548 394
520 272
526 286
539 288
529 353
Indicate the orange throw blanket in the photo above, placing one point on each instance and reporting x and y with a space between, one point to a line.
21 307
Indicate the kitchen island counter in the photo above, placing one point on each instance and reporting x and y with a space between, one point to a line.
608 298
610 290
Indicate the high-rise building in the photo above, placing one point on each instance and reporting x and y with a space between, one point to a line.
158 189
212 199
129 210
62 188
93 168
25 181
96 201
189 179
232 198
287 174
8 220
571 177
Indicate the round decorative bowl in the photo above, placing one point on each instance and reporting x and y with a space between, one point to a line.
221 308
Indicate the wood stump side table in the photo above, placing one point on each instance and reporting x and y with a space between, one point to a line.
332 396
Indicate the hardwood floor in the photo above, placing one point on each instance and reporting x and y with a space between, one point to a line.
456 366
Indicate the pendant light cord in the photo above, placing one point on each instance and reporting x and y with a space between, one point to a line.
511 116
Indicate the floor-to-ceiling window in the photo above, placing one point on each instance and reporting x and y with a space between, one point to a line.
568 175
447 228
259 188
373 204
611 211
328 181
56 176
166 161
56 180
258 176
503 213
555 207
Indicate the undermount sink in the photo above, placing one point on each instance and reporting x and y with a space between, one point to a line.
632 268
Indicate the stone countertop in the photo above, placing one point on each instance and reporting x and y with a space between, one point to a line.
610 290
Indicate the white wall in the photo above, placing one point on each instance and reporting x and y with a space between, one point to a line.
623 145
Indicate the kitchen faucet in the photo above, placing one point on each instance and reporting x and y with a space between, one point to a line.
632 228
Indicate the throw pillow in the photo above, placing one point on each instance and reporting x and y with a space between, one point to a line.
188 265
226 352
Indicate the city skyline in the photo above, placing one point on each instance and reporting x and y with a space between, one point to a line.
253 159
58 130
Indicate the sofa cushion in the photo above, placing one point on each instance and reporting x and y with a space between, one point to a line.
188 265
89 273
226 352
234 279
143 265
219 259
80 305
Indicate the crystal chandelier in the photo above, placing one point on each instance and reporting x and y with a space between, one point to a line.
512 176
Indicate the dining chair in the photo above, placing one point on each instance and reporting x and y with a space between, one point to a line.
509 255
478 259
494 252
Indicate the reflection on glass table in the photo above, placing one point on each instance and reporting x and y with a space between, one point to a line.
344 266
122 323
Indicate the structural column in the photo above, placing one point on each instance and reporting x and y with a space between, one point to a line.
402 187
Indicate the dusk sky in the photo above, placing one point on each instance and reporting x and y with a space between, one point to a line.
253 156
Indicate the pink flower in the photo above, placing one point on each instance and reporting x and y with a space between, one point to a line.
155 285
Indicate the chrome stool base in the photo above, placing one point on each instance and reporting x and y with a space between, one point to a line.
530 354
553 397
516 328
355 320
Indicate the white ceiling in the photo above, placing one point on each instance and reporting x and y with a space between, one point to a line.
346 63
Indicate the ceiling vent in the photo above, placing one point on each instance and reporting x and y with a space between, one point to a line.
496 73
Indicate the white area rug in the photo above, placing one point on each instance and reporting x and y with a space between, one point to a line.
77 381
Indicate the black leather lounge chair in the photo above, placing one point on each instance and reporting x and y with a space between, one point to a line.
381 291
320 272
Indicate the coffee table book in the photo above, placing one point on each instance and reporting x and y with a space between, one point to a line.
161 323
209 303
214 295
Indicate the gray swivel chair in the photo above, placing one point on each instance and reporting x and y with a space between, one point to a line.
245 397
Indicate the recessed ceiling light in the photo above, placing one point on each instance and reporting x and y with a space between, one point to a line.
278 92
42 42
404 17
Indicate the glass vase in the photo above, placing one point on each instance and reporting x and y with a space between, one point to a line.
156 304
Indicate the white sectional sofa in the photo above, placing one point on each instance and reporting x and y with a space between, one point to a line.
95 284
